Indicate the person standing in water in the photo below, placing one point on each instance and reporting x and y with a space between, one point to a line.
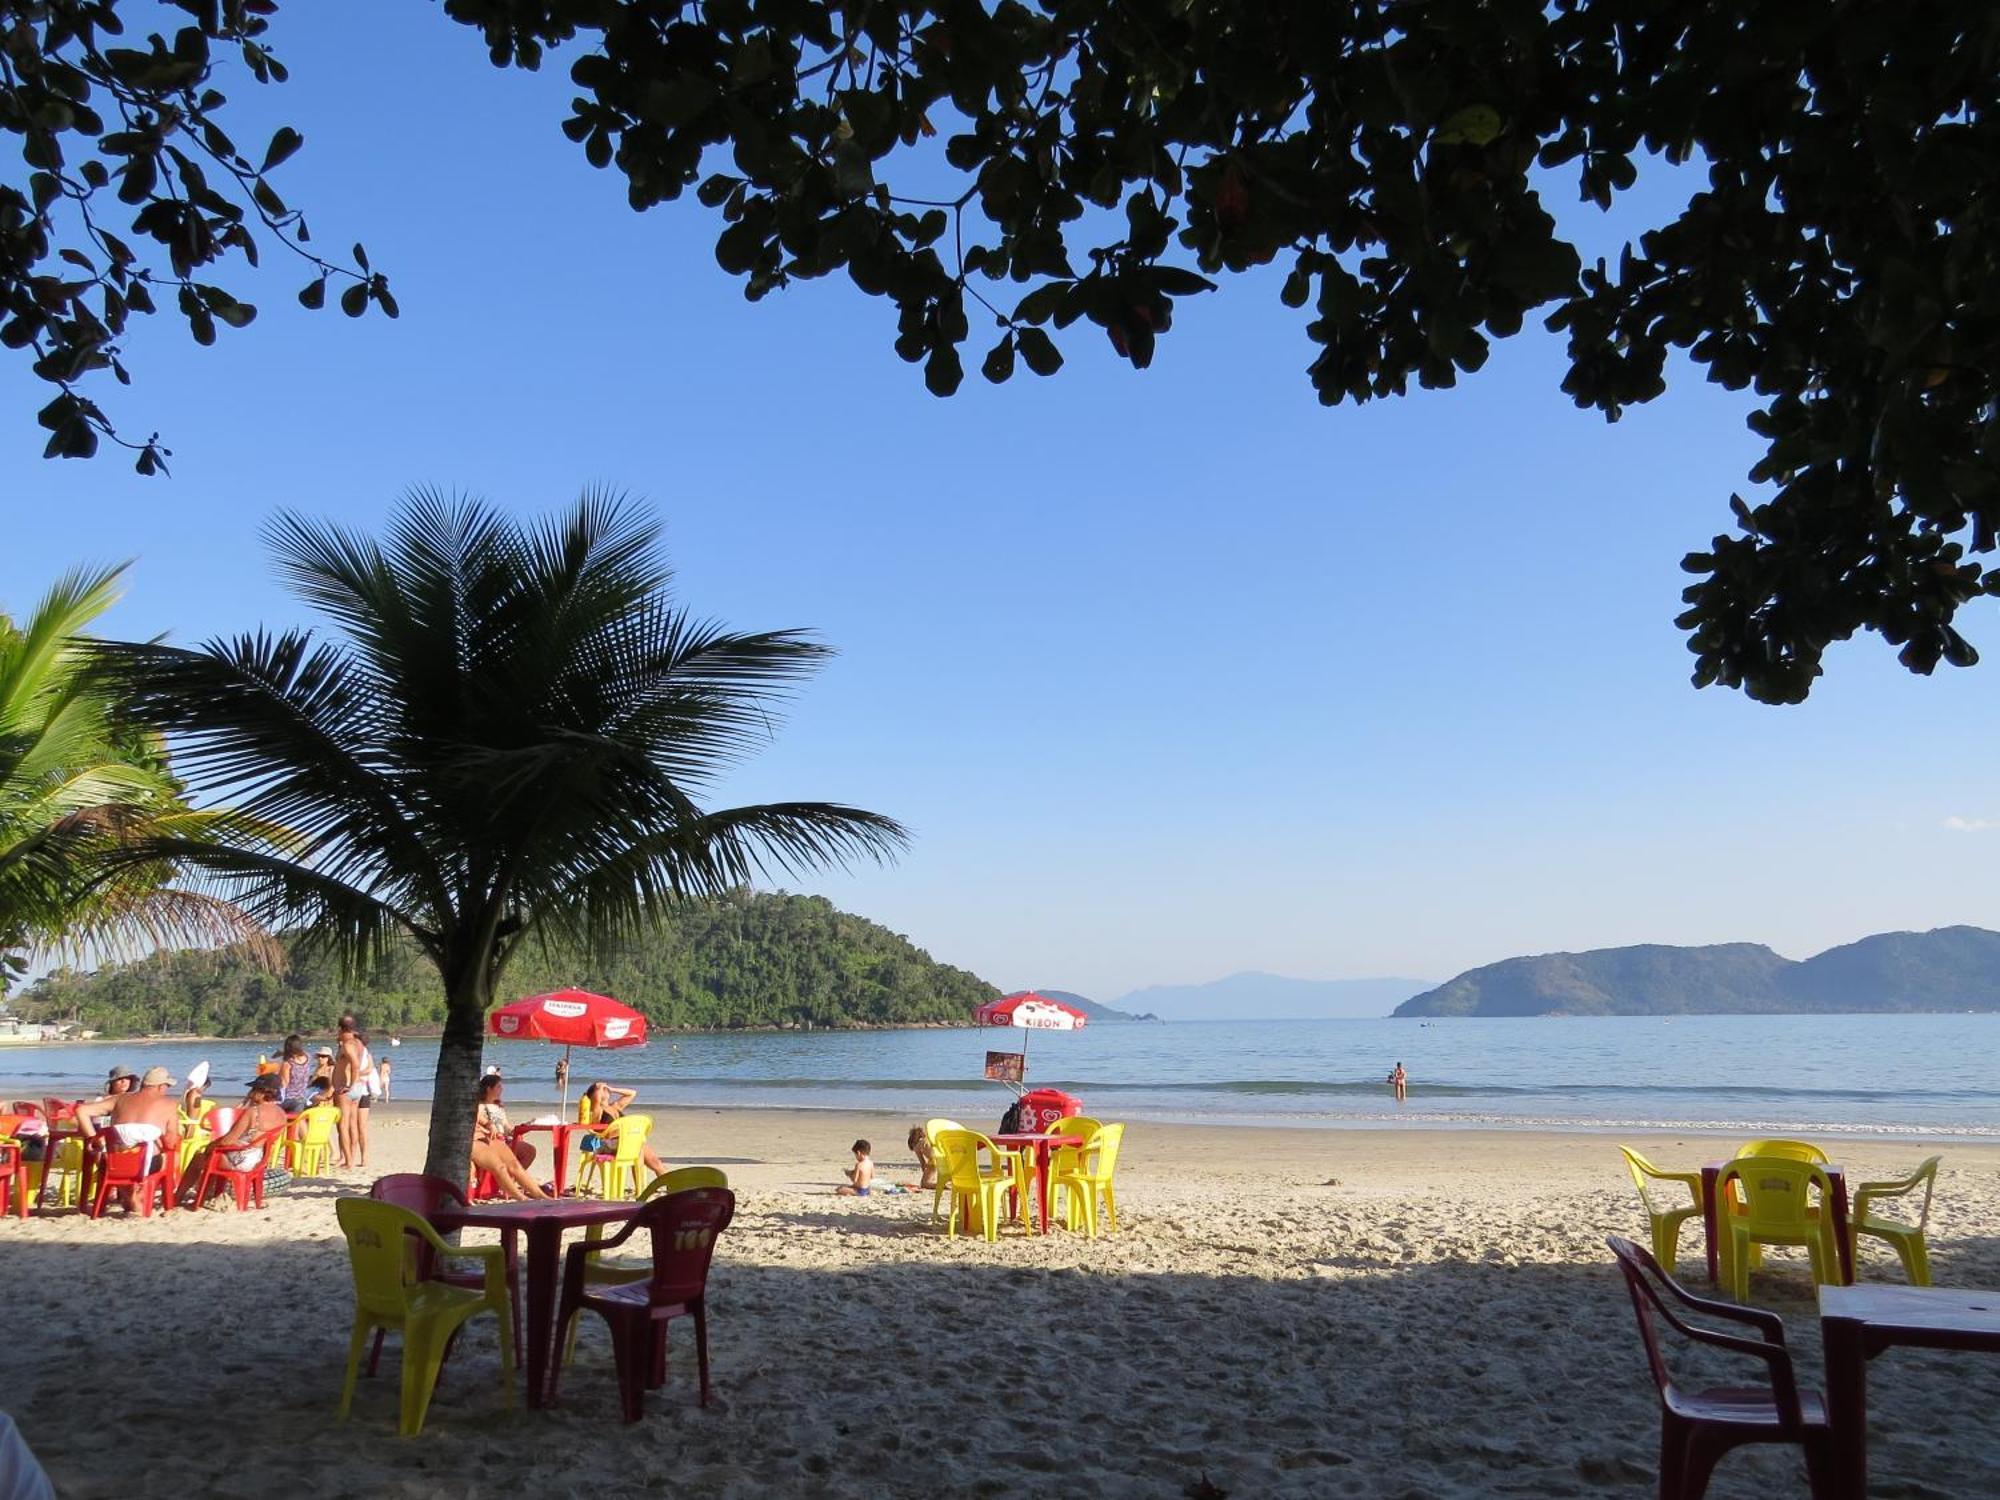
1400 1082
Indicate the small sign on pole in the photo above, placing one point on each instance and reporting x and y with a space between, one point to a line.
1006 1067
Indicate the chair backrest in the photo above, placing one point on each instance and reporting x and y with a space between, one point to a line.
935 1128
1644 1175
627 1135
1777 1191
958 1156
1925 1176
26 1108
219 1119
684 1227
316 1125
383 1269
55 1109
1784 1150
685 1179
1074 1125
1655 1294
128 1165
1101 1150
418 1192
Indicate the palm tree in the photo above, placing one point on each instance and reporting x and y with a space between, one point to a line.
510 737
76 782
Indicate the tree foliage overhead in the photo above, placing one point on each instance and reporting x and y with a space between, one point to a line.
1102 158
738 960
129 192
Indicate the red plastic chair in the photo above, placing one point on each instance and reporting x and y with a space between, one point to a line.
1697 1428
247 1182
485 1186
13 1177
109 1170
684 1227
425 1195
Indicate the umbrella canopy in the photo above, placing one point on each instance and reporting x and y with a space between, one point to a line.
1028 1011
575 1018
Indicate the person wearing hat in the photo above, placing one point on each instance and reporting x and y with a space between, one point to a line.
147 1116
242 1144
120 1080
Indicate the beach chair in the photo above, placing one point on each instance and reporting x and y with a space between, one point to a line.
426 1195
310 1141
390 1297
142 1169
683 1227
13 1177
1091 1179
1907 1239
975 1186
601 1272
1698 1427
617 1170
1770 1200
1663 1214
60 1168
247 1183
1070 1157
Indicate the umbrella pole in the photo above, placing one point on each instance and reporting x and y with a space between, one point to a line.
565 1088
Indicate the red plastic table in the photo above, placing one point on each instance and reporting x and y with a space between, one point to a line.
1042 1146
1711 1173
543 1220
1859 1322
559 1133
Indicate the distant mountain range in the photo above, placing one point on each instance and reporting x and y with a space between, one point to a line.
1268 997
1091 1008
1945 969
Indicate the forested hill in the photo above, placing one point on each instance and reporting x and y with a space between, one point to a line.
1945 969
748 959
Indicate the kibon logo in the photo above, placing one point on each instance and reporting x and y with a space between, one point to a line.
509 1025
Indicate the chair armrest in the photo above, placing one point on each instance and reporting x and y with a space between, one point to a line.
493 1258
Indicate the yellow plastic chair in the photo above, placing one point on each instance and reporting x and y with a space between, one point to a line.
1907 1239
974 1186
1785 1150
618 1177
1091 1179
426 1313
1070 1158
624 1273
1773 1204
310 1145
1664 1215
194 1135
66 1162
932 1130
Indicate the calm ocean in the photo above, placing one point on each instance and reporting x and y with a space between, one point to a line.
1929 1075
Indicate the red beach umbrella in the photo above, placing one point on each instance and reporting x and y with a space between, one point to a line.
575 1018
1024 1010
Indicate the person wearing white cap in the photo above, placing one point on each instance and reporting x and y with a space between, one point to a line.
145 1117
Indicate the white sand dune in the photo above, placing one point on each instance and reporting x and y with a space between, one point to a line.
1442 1321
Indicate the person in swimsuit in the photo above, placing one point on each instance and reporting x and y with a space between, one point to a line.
920 1147
260 1114
147 1116
601 1104
492 1151
1400 1082
294 1075
353 1090
860 1175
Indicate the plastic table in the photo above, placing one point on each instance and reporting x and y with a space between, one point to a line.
1859 1322
1711 1173
543 1220
1042 1146
559 1133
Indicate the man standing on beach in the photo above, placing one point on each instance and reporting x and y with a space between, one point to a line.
353 1090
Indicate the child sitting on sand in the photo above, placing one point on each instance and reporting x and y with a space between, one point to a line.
860 1175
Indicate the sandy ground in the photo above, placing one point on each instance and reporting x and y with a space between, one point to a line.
1284 1313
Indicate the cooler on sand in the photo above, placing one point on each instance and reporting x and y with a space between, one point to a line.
1041 1108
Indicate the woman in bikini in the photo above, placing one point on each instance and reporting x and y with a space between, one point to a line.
492 1151
607 1102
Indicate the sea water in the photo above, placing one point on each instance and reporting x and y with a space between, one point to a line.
1918 1075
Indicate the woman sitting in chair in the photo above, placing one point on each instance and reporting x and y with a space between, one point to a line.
261 1113
493 1152
605 1103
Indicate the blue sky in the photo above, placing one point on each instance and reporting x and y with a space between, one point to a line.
1171 673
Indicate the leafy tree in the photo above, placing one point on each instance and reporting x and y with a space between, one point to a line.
130 191
508 741
1027 167
76 784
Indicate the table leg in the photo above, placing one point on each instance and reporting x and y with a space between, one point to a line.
559 1143
1847 1405
1042 1184
544 1245
1709 1226
1843 1240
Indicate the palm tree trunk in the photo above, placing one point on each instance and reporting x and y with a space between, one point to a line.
455 1094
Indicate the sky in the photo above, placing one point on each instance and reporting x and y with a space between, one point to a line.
1171 673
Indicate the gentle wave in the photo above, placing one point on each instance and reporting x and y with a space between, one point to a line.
1319 1087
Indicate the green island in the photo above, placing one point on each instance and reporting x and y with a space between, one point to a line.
743 960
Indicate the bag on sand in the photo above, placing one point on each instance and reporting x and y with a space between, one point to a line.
1011 1121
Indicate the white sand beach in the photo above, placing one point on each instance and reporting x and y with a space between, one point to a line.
1410 1315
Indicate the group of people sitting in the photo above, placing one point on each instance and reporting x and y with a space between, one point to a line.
141 1113
494 1149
